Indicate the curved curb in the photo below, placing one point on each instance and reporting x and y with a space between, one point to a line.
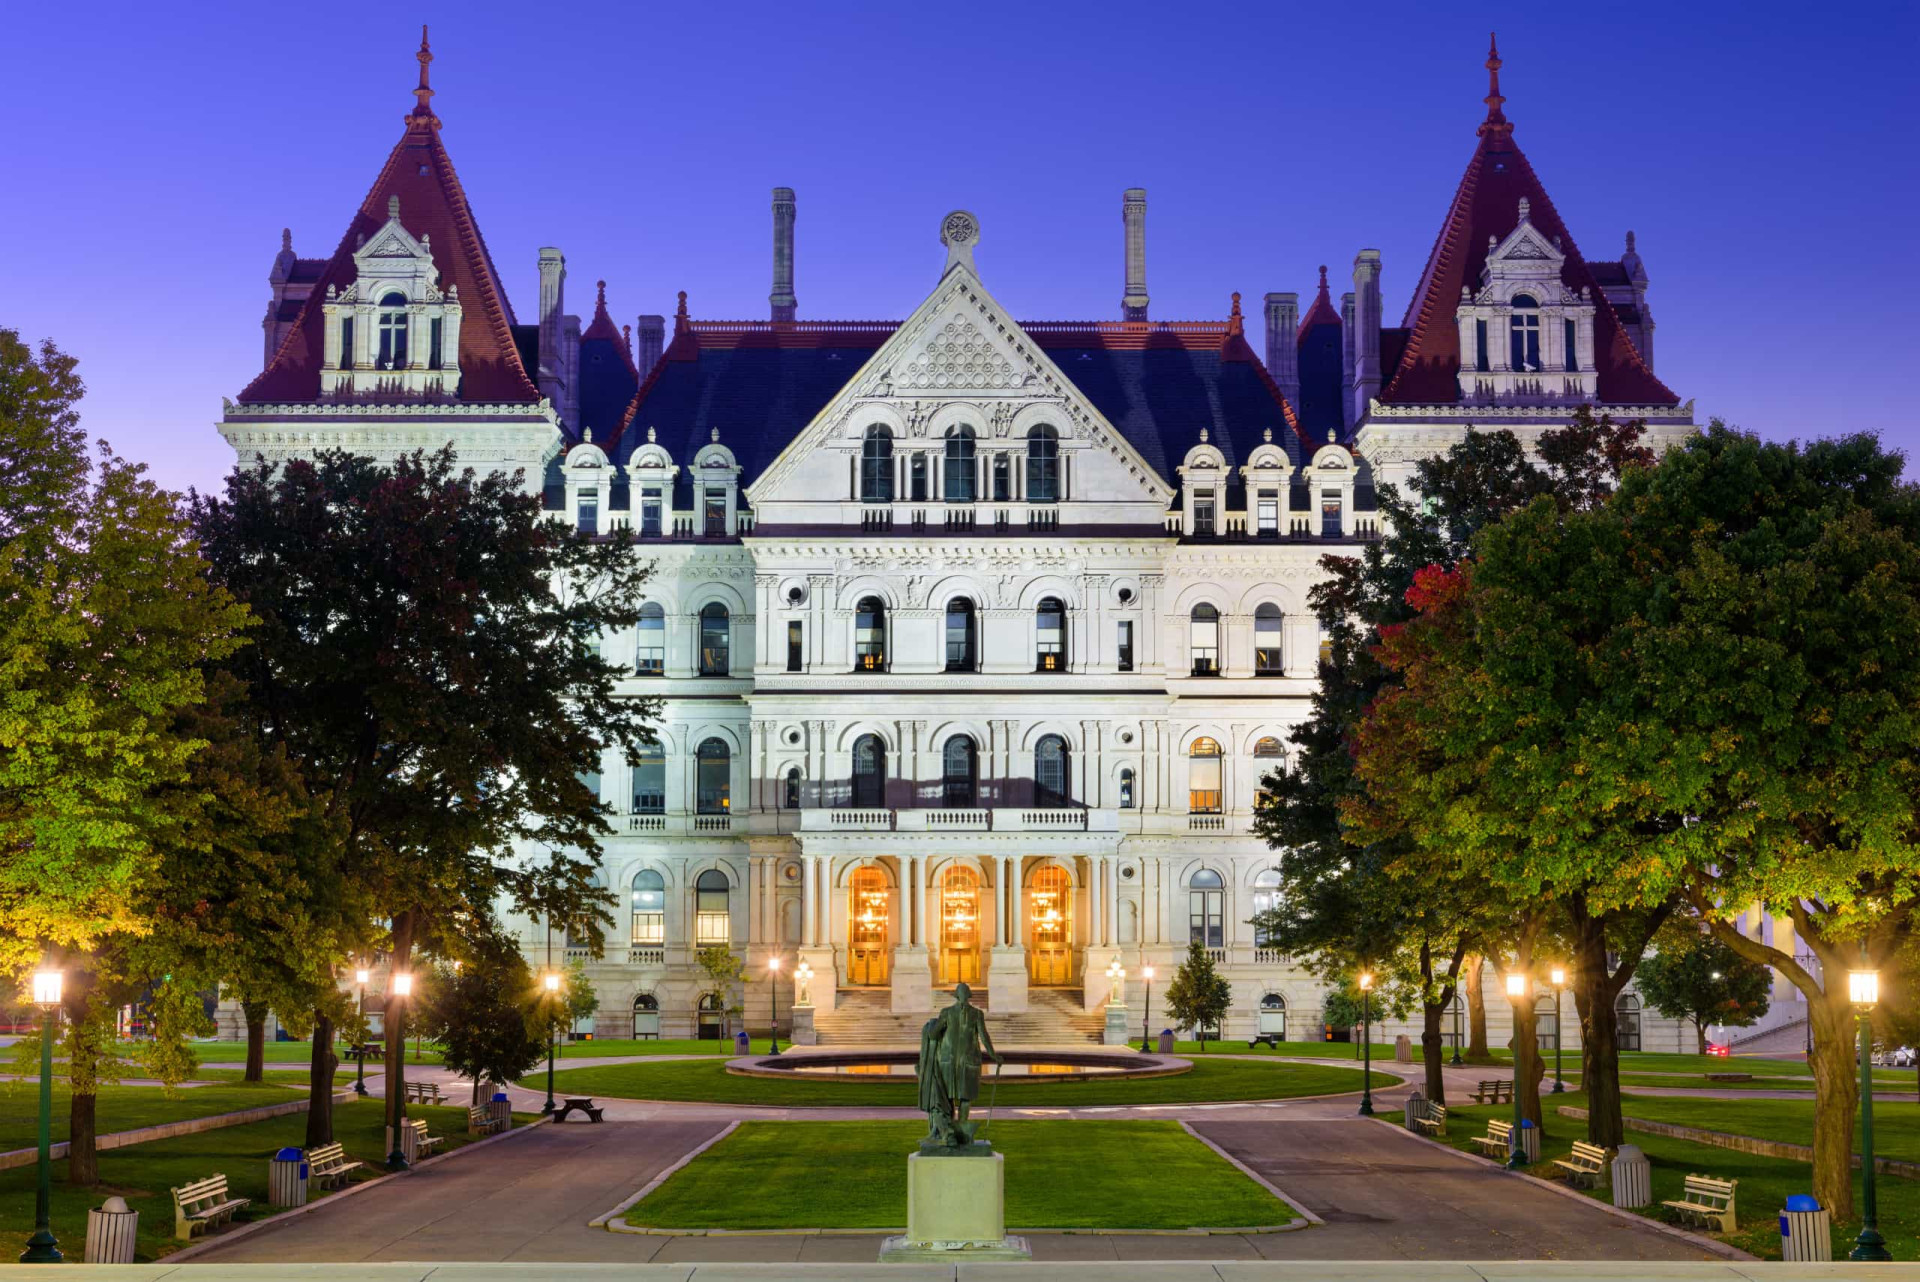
1712 1245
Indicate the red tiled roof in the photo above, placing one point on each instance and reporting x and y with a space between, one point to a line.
1321 313
432 203
1487 205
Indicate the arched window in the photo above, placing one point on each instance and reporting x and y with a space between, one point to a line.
1273 1016
1002 487
650 656
960 465
646 1016
869 772
1126 788
713 782
649 907
712 921
1268 752
1050 636
1266 898
1547 1022
1523 328
870 635
1266 640
1050 788
790 792
1203 640
963 654
957 773
711 1016
1626 1013
1207 909
575 938
1268 747
876 466
650 780
1043 466
393 332
1203 777
715 632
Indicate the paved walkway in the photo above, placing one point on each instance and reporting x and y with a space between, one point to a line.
1185 1270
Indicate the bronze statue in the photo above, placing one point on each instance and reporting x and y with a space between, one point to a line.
949 1068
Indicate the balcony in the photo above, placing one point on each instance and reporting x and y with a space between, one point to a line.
713 823
646 823
970 819
1206 823
1268 957
647 955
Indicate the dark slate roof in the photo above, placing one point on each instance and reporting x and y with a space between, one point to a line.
1322 372
761 383
607 376
1608 274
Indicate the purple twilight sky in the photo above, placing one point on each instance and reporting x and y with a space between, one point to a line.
1764 152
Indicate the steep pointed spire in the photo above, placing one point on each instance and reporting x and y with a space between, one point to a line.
1322 311
680 319
422 113
1236 323
1496 123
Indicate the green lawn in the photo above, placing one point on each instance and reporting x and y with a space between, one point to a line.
606 1047
1059 1174
1769 1082
1765 1182
1297 1050
1209 1080
279 1076
144 1173
1896 1127
291 1053
124 1108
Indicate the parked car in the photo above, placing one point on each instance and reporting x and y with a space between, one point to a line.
1719 1051
1897 1057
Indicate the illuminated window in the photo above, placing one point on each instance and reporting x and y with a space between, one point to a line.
1203 777
715 633
1206 909
869 772
1266 897
1266 640
1050 645
870 635
1203 640
649 907
713 778
712 918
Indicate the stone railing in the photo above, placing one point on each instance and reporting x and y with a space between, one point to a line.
1206 823
647 955
713 823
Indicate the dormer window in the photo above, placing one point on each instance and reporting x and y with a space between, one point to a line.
1043 466
393 331
1523 331
588 508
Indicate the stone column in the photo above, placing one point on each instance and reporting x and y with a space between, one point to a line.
1133 214
1019 907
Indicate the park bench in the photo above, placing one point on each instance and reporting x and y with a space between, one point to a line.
329 1165
1264 1039
481 1121
1707 1202
423 1143
1585 1166
365 1051
203 1203
1494 1093
1498 1141
424 1093
1434 1123
582 1104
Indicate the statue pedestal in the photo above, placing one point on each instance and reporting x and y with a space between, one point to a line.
1118 1026
801 1033
1007 980
956 1211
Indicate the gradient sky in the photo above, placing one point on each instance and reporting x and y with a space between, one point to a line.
1764 152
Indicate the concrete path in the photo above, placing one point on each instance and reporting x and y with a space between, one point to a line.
1179 1270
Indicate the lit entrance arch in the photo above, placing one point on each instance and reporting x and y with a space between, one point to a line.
960 926
1050 917
869 910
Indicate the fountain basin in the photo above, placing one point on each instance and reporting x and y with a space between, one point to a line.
1024 1064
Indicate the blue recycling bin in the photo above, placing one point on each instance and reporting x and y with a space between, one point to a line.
287 1176
1806 1229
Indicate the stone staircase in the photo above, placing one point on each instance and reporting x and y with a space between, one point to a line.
864 1017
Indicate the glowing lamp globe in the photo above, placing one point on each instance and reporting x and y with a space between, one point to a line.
360 976
1559 976
1863 987
1516 985
46 988
553 983
402 985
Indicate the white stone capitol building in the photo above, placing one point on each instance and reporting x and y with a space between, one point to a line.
975 634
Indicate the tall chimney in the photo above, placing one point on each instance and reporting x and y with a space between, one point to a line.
1365 383
1346 360
1133 212
649 340
784 303
1283 351
553 306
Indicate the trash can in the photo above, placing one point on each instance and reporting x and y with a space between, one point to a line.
287 1178
111 1230
1529 1141
1166 1041
1806 1229
1403 1049
741 1045
499 1111
1416 1108
1632 1178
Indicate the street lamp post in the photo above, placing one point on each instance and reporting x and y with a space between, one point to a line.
1518 990
399 988
1146 1011
43 1247
360 1059
1863 989
551 982
773 1002
1456 1061
1366 1044
1559 977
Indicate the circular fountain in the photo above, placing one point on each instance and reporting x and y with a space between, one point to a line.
1034 1064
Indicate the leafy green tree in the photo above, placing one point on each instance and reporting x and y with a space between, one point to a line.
723 972
1692 975
427 659
1703 690
485 1016
1199 996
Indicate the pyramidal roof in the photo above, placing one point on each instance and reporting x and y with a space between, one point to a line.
420 173
1484 207
1321 313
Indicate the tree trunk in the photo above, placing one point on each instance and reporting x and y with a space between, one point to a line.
1432 1049
1527 1065
1699 1036
1476 1011
396 1028
256 1013
320 1084
1835 1065
83 1158
1593 994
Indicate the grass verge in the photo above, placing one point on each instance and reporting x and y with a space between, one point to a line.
1059 1174
602 1048
126 1108
145 1173
1210 1080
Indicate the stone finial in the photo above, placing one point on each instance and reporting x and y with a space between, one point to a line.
286 240
714 436
1630 248
423 93
1266 434
1203 436
1526 209
959 232
393 206
1496 122
680 315
1236 323
601 286
586 436
653 436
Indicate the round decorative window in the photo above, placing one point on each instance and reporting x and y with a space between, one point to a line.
1127 872
791 872
1126 736
793 735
